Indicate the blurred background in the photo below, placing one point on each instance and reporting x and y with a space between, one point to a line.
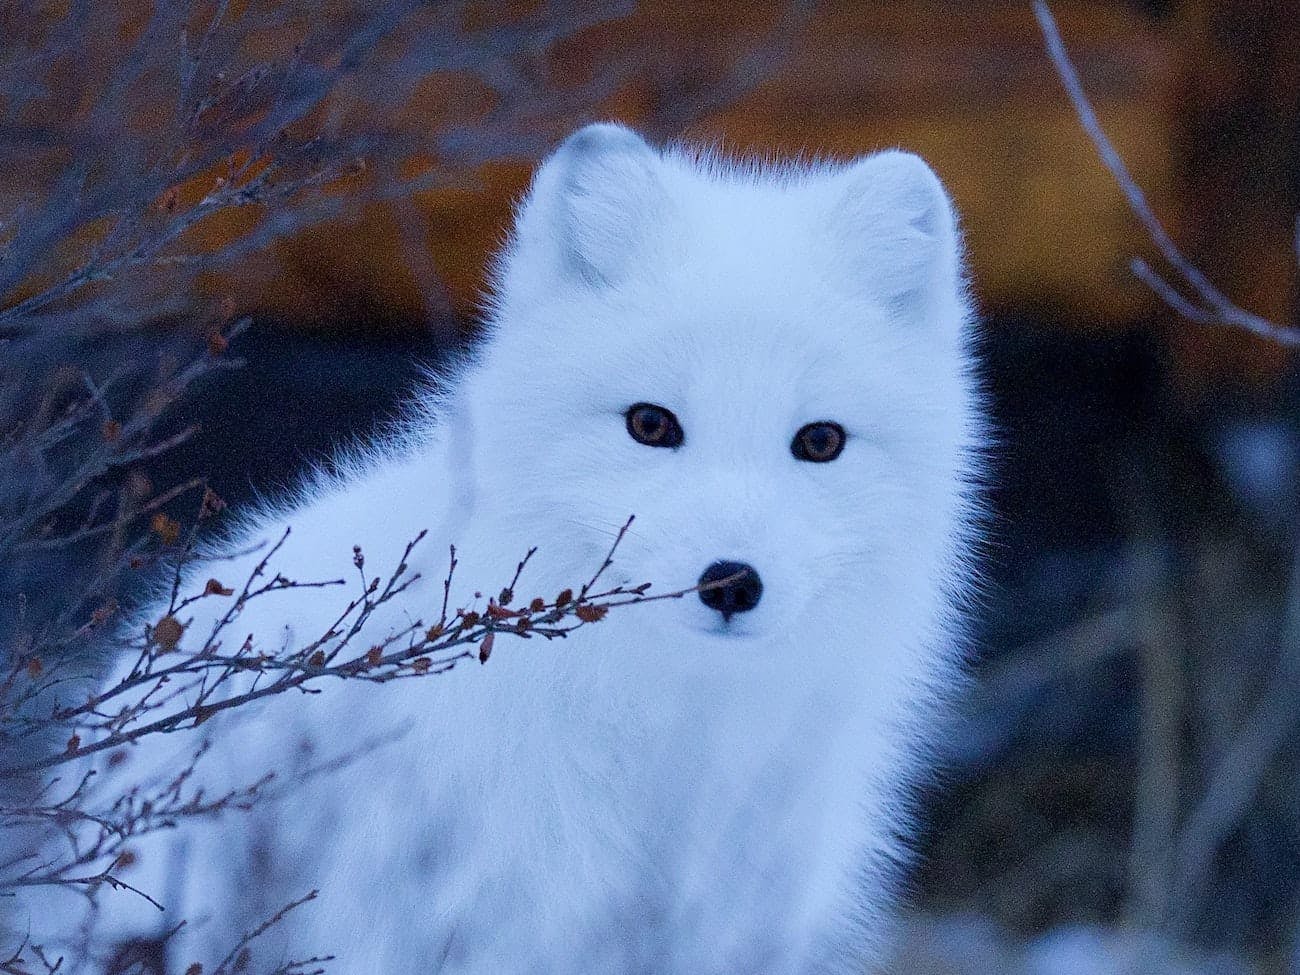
232 233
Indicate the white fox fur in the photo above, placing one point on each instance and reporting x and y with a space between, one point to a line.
666 791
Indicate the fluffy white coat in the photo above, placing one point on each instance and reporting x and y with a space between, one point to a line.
663 792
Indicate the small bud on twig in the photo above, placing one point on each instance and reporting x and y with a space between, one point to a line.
215 588
591 613
167 633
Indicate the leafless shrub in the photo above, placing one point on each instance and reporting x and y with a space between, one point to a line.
150 149
80 835
125 160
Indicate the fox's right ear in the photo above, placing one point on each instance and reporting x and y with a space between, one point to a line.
597 204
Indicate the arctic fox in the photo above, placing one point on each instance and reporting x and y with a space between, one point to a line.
770 367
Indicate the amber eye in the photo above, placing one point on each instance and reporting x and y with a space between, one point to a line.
653 426
818 442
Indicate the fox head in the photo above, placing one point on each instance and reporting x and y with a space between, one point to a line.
767 366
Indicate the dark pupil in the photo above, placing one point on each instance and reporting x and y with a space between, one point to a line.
652 423
819 441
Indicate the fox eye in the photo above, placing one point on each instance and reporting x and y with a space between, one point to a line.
818 442
653 426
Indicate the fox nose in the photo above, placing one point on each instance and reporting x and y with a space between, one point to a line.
738 594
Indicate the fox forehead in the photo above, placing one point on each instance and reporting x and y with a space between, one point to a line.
728 349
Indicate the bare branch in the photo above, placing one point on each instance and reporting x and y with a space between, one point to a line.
1210 306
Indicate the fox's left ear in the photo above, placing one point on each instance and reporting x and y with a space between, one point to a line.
596 205
895 224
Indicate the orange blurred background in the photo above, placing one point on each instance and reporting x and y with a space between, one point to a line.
1200 97
1201 109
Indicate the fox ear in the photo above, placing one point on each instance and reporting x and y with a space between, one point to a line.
600 199
896 224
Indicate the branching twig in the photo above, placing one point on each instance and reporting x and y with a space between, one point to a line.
230 963
1207 305
170 688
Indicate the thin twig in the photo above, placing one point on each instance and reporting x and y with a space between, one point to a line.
1210 305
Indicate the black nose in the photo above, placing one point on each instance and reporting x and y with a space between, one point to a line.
738 594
